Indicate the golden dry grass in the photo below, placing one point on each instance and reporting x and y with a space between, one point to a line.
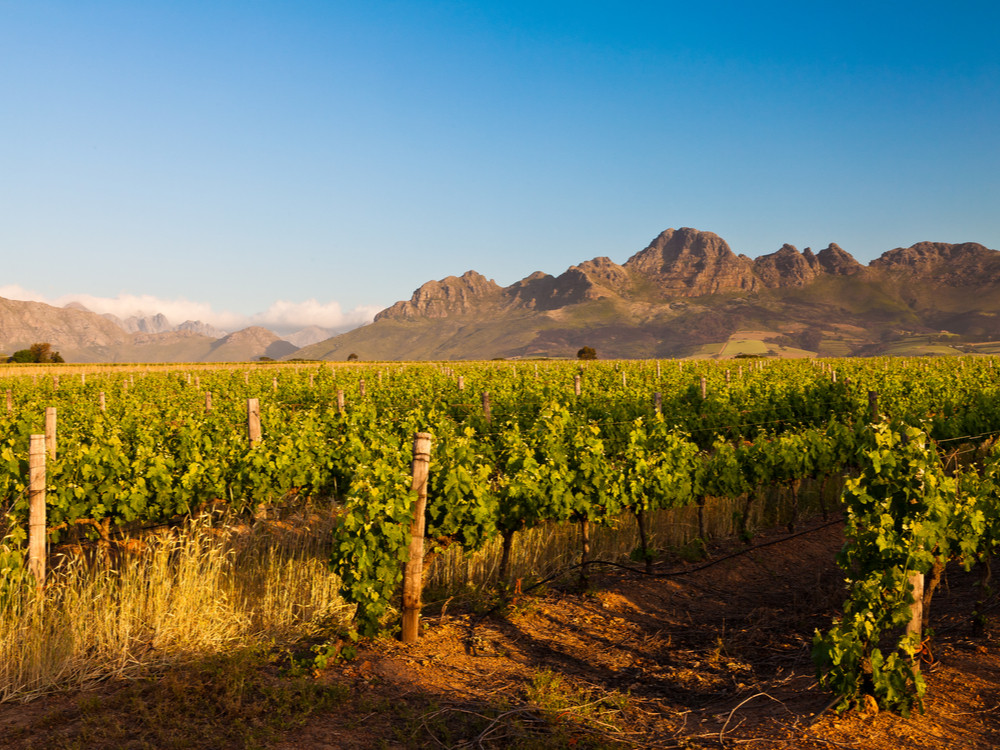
181 594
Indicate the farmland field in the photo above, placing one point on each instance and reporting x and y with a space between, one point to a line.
535 467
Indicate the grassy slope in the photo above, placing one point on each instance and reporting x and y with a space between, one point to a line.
850 313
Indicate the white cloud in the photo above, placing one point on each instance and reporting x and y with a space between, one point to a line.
282 316
291 316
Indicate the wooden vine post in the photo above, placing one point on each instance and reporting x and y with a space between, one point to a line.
36 502
413 569
208 401
253 421
658 402
340 402
916 623
873 406
486 407
576 385
704 388
50 431
103 402
10 402
461 383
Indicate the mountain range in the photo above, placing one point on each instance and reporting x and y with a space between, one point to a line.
686 294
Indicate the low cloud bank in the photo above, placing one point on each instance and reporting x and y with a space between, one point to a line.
282 317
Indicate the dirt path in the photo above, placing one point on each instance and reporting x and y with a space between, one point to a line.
713 659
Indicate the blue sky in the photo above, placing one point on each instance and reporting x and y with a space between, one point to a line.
288 162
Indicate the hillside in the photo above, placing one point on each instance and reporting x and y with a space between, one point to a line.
83 336
688 294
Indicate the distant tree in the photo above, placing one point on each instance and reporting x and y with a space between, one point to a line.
40 352
352 357
587 352
810 339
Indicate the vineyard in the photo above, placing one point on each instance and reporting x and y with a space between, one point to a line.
901 450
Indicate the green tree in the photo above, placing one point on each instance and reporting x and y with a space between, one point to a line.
587 352
39 352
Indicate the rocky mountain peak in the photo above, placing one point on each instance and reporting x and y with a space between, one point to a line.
689 263
449 296
786 267
968 263
833 260
926 256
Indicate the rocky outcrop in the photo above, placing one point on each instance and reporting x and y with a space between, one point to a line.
968 263
787 267
837 262
453 295
591 280
689 263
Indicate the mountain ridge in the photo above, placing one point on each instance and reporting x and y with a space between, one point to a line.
81 335
685 289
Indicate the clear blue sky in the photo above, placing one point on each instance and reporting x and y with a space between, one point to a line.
241 153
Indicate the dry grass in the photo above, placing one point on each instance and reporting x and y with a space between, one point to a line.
174 597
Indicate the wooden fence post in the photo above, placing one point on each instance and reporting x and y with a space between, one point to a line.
413 569
36 502
253 421
50 431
